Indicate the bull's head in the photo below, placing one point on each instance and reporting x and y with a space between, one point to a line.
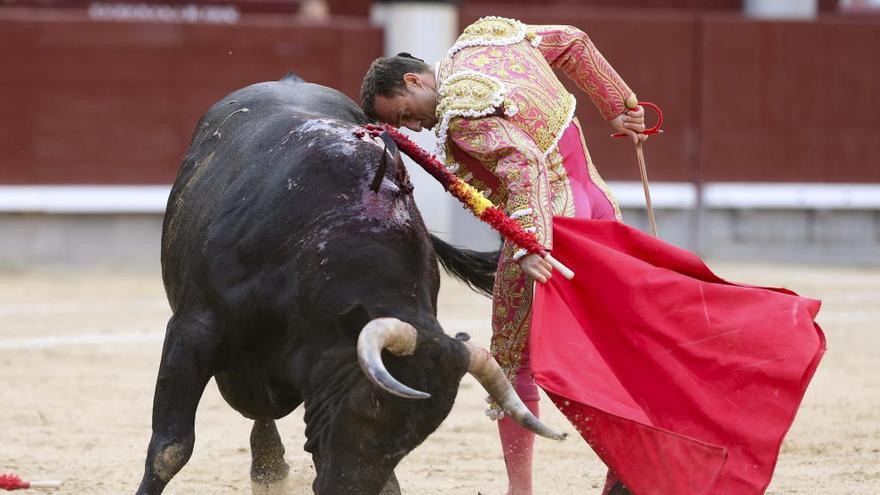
399 338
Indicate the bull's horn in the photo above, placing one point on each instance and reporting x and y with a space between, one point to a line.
485 369
400 339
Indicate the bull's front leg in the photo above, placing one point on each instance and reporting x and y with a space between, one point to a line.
269 471
392 487
189 359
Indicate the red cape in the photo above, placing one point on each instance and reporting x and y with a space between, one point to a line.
681 382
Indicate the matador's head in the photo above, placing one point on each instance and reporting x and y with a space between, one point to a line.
401 91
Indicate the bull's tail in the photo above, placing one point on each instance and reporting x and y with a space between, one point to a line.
475 268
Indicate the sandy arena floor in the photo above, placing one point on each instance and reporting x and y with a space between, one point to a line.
79 354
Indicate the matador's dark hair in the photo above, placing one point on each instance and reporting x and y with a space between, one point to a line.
385 78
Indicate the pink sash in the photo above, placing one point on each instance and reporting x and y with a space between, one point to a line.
589 200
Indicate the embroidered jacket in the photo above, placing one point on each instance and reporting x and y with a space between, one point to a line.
502 110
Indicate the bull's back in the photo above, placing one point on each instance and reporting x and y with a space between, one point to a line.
247 126
265 154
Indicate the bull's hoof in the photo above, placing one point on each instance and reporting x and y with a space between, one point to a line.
284 486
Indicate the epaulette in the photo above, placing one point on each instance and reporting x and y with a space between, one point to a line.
492 31
471 94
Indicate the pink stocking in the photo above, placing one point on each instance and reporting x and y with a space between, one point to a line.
517 443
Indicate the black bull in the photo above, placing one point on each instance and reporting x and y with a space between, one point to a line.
289 267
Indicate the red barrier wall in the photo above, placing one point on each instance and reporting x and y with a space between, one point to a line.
114 103
336 7
792 101
744 100
643 5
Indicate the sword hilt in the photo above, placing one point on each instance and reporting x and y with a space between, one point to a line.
653 130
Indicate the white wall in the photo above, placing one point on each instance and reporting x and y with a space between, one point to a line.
782 9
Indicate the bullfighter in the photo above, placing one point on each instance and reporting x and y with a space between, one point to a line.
505 125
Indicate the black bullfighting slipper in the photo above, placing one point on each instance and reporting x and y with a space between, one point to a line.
619 489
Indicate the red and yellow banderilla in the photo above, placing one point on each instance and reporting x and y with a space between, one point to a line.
478 204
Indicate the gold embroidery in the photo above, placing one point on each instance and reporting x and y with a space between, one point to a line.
571 50
469 93
563 201
481 61
466 93
496 31
534 99
631 101
512 303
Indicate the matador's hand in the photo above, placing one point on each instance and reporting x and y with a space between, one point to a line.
536 267
631 123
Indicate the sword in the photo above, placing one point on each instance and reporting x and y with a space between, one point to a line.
643 169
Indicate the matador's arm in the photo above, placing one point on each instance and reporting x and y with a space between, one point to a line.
570 49
514 158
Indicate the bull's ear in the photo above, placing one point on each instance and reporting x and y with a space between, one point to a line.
352 320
